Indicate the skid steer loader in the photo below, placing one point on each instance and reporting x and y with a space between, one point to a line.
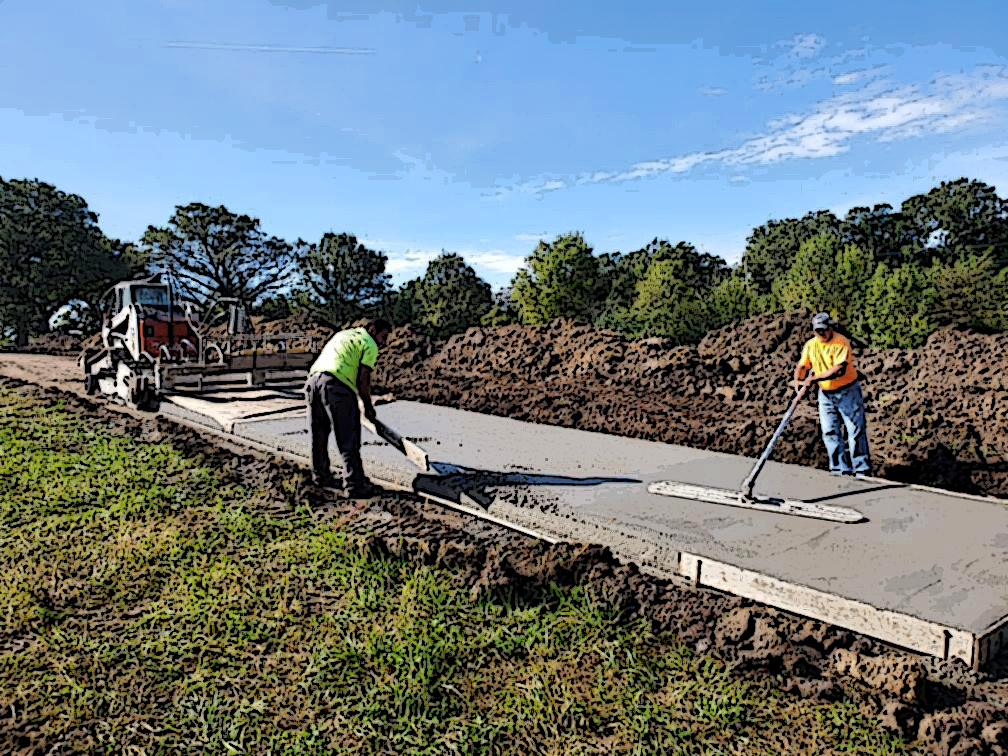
152 345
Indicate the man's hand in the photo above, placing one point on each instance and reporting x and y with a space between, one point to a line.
797 384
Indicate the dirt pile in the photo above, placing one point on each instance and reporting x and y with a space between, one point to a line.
53 343
936 415
941 703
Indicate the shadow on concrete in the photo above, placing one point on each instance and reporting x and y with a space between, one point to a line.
449 481
859 492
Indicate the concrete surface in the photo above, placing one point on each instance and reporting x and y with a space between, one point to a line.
928 570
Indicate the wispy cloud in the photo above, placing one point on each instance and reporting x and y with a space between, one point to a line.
862 76
713 91
792 62
245 47
803 45
530 237
406 261
497 261
948 103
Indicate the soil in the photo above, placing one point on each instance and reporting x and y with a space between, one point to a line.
51 343
937 415
945 705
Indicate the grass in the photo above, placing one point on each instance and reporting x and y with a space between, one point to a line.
148 608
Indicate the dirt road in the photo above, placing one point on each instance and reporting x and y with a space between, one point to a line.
42 370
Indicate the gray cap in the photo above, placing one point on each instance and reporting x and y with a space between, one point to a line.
822 320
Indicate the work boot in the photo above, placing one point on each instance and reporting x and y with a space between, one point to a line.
326 481
363 491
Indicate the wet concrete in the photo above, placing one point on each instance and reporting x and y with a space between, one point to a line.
922 554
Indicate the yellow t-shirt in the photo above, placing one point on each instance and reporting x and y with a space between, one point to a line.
345 353
822 356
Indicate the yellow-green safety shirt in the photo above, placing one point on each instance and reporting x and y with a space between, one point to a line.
345 353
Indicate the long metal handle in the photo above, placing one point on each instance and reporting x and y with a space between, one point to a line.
747 486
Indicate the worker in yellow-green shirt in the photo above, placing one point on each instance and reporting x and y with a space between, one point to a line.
828 360
340 374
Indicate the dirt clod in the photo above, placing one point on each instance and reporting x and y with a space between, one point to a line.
893 673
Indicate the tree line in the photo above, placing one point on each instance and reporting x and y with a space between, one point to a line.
892 276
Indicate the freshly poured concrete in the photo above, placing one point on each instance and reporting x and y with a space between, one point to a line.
928 570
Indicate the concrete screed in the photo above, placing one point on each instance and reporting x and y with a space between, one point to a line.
928 571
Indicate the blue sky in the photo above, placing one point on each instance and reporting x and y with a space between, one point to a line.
480 127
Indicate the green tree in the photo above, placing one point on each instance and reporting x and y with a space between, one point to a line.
402 306
561 279
809 281
855 267
953 220
735 299
51 251
285 305
969 291
347 279
450 297
772 247
655 267
500 313
666 305
826 276
897 304
212 252
877 230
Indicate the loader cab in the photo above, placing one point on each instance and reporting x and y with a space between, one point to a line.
152 296
143 318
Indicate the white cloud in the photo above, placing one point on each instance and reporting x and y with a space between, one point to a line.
410 262
858 75
497 261
713 91
530 237
949 103
803 45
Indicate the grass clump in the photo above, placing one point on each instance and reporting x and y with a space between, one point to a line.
148 607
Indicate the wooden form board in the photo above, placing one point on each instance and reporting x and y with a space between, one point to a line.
976 649
897 629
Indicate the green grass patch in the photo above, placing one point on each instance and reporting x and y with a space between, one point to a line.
147 605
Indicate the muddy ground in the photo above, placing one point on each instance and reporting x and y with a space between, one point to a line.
947 706
937 415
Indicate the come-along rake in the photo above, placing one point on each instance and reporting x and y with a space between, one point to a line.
747 499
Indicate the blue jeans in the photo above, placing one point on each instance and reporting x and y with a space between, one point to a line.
841 409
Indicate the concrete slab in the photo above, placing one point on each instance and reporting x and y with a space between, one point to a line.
225 409
928 570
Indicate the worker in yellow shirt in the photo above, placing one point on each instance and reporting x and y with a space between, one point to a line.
340 374
828 360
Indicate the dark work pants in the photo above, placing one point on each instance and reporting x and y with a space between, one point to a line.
332 406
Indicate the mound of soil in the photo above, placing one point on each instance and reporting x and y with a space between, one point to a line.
53 343
937 415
